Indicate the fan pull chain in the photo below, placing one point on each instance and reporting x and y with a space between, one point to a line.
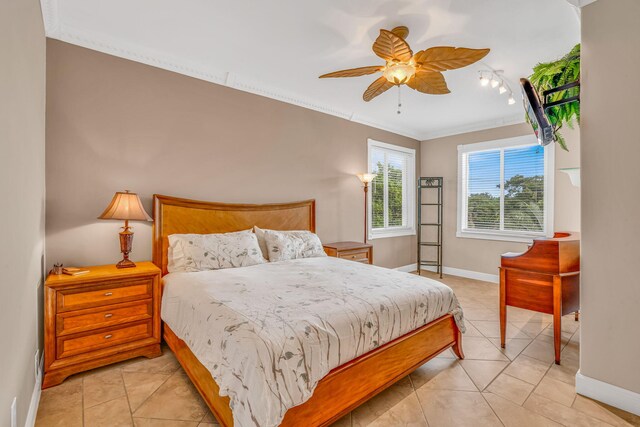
399 101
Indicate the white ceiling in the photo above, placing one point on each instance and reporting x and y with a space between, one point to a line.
278 49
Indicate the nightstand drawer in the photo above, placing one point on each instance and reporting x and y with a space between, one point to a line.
82 343
72 322
360 256
99 295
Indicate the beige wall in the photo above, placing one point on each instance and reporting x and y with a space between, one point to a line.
22 89
439 157
114 124
610 292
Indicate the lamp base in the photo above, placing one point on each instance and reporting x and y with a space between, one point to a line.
126 242
125 263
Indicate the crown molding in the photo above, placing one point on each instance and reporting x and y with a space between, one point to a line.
116 47
580 3
514 119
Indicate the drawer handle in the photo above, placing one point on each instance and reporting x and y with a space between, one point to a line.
108 294
106 337
108 315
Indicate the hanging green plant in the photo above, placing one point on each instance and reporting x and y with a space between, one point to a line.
549 75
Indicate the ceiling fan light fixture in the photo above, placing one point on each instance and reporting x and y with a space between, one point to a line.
398 73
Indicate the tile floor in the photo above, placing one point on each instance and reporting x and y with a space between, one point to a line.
519 386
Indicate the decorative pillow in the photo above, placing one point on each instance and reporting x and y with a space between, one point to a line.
284 245
199 252
261 241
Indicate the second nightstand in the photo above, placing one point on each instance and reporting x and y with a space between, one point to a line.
353 251
98 318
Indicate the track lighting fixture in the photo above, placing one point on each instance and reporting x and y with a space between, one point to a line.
495 78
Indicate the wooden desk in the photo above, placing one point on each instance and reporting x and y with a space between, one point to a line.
545 278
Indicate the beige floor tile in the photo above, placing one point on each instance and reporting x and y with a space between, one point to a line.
557 391
600 411
513 347
165 364
444 408
541 350
176 399
513 415
482 372
114 413
442 374
102 386
61 406
209 418
342 422
369 411
511 388
472 331
563 372
481 348
141 385
150 422
562 414
528 369
407 412
481 314
531 329
491 329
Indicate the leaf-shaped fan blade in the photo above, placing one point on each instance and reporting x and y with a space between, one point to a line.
354 72
448 58
376 88
401 32
431 82
390 47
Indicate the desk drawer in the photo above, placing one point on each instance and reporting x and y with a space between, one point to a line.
360 256
105 294
73 322
107 337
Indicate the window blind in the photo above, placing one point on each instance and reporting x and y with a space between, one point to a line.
503 189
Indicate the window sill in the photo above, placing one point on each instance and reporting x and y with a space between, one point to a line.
520 238
383 234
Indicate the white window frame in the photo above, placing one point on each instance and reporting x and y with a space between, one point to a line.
408 190
505 235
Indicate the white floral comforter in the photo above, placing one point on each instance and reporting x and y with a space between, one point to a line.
268 333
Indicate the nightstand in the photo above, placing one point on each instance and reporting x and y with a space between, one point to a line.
98 318
354 251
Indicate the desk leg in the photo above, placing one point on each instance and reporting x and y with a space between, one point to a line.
503 307
557 316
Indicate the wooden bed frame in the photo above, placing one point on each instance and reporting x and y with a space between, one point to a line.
346 386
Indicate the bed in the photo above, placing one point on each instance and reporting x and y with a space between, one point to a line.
344 386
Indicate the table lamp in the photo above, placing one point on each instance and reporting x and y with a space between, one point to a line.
125 206
366 179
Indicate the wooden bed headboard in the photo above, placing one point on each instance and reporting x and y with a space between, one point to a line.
173 215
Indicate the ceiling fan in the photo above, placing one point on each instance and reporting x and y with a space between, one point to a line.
421 72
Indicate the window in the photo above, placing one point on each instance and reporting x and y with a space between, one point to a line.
505 189
392 193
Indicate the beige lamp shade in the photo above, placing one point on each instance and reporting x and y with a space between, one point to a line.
366 178
125 206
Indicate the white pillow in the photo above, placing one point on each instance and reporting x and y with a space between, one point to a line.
261 241
284 245
199 252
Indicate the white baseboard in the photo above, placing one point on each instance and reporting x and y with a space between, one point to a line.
407 268
35 397
610 394
493 278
